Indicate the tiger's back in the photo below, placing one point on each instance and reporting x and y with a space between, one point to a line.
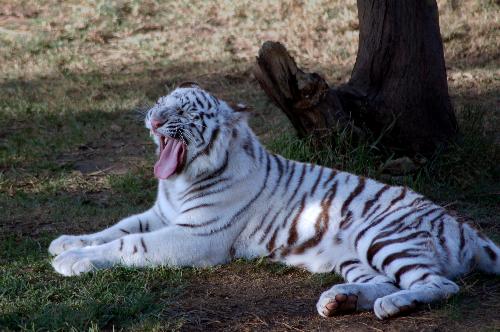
313 217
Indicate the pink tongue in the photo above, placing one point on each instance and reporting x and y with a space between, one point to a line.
169 159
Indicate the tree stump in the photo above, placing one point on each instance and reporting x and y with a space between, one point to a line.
397 90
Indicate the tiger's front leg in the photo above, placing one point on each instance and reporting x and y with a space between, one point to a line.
148 221
172 245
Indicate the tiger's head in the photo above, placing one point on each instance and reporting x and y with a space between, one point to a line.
192 130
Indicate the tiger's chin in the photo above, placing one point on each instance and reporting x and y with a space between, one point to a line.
171 158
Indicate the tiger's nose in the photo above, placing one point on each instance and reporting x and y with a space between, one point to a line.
155 124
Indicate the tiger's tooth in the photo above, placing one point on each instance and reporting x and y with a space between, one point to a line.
165 140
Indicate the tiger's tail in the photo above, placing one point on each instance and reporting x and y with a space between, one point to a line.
486 252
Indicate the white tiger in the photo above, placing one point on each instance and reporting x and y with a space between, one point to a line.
221 195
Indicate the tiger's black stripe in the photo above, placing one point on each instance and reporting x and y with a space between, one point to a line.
271 193
332 175
217 172
207 193
208 148
408 253
352 268
259 226
408 268
315 186
376 247
205 187
299 183
144 245
462 238
290 176
369 204
293 235
347 263
244 208
359 188
200 206
378 219
268 228
203 224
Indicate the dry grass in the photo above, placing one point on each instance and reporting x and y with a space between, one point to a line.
74 156
199 39
131 34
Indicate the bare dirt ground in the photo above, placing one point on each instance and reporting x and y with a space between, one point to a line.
241 298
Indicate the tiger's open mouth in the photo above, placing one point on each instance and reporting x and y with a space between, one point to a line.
172 155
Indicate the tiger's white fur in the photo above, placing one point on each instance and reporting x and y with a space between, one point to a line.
232 198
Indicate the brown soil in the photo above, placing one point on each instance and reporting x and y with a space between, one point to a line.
241 297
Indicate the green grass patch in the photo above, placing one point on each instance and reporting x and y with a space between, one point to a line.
339 151
34 297
137 188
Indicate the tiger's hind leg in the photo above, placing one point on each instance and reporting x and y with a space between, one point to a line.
364 287
431 288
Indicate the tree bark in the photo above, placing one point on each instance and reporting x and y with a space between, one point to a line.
398 88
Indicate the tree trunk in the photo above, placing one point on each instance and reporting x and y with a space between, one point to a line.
397 89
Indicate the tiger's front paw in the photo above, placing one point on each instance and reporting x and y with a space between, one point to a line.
67 242
77 261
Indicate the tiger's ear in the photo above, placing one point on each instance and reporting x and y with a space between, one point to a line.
189 85
237 117
240 107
